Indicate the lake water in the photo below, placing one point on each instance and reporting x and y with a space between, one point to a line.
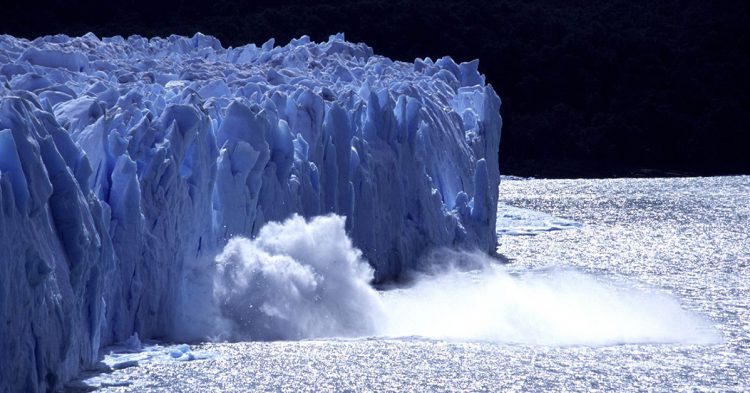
623 284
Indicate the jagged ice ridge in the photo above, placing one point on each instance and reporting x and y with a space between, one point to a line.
127 164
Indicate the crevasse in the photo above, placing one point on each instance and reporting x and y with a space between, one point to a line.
126 164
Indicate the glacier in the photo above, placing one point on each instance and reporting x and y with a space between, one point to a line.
127 164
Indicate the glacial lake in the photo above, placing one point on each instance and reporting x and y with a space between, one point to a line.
616 285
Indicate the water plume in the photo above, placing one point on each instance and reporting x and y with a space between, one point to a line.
304 279
297 279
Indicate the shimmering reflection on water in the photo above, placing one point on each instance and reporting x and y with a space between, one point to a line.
686 237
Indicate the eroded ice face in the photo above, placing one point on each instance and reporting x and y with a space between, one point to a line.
138 159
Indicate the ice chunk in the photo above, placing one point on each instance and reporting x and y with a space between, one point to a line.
525 222
73 61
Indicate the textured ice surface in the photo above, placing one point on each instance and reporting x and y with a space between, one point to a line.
126 164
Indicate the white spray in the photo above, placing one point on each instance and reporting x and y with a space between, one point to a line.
304 279
296 280
548 307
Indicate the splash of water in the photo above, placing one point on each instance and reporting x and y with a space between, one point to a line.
551 307
296 279
304 279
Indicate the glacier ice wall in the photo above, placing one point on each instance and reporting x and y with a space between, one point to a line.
127 164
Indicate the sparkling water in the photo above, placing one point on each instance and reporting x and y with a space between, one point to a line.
685 239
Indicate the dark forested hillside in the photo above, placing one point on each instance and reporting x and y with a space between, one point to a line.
612 87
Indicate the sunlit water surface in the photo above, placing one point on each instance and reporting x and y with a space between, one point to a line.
686 239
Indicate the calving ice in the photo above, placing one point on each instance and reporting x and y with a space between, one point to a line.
126 165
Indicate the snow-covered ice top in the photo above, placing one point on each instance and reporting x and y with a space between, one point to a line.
127 164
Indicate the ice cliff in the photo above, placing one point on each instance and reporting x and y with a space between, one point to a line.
126 164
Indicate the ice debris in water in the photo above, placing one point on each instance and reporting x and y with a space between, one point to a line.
126 164
121 357
517 221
